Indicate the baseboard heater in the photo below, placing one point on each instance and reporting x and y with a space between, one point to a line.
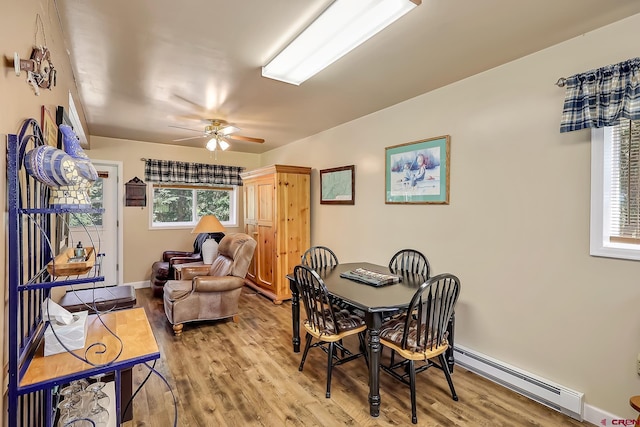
555 396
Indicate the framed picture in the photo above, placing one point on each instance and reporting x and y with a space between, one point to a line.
337 186
62 118
418 172
49 128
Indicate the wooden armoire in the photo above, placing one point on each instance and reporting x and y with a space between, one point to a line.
276 214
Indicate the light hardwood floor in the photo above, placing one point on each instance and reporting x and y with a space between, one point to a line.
246 374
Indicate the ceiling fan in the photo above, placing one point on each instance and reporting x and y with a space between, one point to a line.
219 132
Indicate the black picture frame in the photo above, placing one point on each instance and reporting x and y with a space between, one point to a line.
62 118
338 186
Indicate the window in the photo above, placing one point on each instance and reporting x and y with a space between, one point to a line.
181 206
615 191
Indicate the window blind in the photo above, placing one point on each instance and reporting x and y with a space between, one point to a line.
624 191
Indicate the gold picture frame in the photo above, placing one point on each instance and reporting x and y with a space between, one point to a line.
49 128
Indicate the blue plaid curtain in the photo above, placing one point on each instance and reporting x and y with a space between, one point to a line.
599 98
191 173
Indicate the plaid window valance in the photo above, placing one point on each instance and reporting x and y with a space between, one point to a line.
599 98
191 173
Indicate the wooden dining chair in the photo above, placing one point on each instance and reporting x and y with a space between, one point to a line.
319 257
410 261
325 323
420 334
407 261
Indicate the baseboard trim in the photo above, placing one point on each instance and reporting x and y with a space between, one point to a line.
597 416
139 285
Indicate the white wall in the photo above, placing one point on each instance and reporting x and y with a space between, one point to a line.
516 230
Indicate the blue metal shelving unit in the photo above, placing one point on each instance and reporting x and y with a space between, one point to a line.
31 226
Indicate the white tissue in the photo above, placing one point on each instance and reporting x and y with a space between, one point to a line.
55 313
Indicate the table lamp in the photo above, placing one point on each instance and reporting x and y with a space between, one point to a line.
208 224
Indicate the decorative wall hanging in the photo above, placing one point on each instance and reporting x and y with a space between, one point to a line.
135 192
418 172
337 186
39 67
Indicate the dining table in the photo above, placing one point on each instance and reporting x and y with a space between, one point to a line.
376 302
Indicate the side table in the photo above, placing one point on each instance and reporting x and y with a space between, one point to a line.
178 268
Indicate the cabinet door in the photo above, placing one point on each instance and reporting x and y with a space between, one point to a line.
266 252
250 222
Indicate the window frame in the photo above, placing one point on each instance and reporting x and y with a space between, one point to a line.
600 196
233 205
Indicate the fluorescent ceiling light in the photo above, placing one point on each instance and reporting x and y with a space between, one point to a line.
343 26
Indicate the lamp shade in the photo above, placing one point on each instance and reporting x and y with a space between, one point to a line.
208 224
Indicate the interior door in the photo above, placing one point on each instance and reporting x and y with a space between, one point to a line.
101 230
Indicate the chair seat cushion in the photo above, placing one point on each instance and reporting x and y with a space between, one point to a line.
393 331
177 289
346 322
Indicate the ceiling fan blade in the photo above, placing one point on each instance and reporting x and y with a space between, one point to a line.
180 127
186 139
226 130
245 138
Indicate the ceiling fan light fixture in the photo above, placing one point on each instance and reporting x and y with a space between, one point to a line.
211 144
342 27
214 143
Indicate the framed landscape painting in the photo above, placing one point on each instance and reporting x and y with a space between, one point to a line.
337 186
418 172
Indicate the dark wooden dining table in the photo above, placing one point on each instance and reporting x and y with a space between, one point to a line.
374 302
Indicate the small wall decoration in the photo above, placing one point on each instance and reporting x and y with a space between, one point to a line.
135 192
337 186
418 172
49 128
39 68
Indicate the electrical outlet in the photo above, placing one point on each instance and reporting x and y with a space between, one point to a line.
638 364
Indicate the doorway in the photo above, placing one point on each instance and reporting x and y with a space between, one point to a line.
102 230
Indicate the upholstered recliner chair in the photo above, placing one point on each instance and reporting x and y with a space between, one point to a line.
162 271
210 292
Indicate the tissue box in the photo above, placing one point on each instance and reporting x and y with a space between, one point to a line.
72 335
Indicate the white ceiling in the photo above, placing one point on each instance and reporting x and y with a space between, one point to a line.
144 65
